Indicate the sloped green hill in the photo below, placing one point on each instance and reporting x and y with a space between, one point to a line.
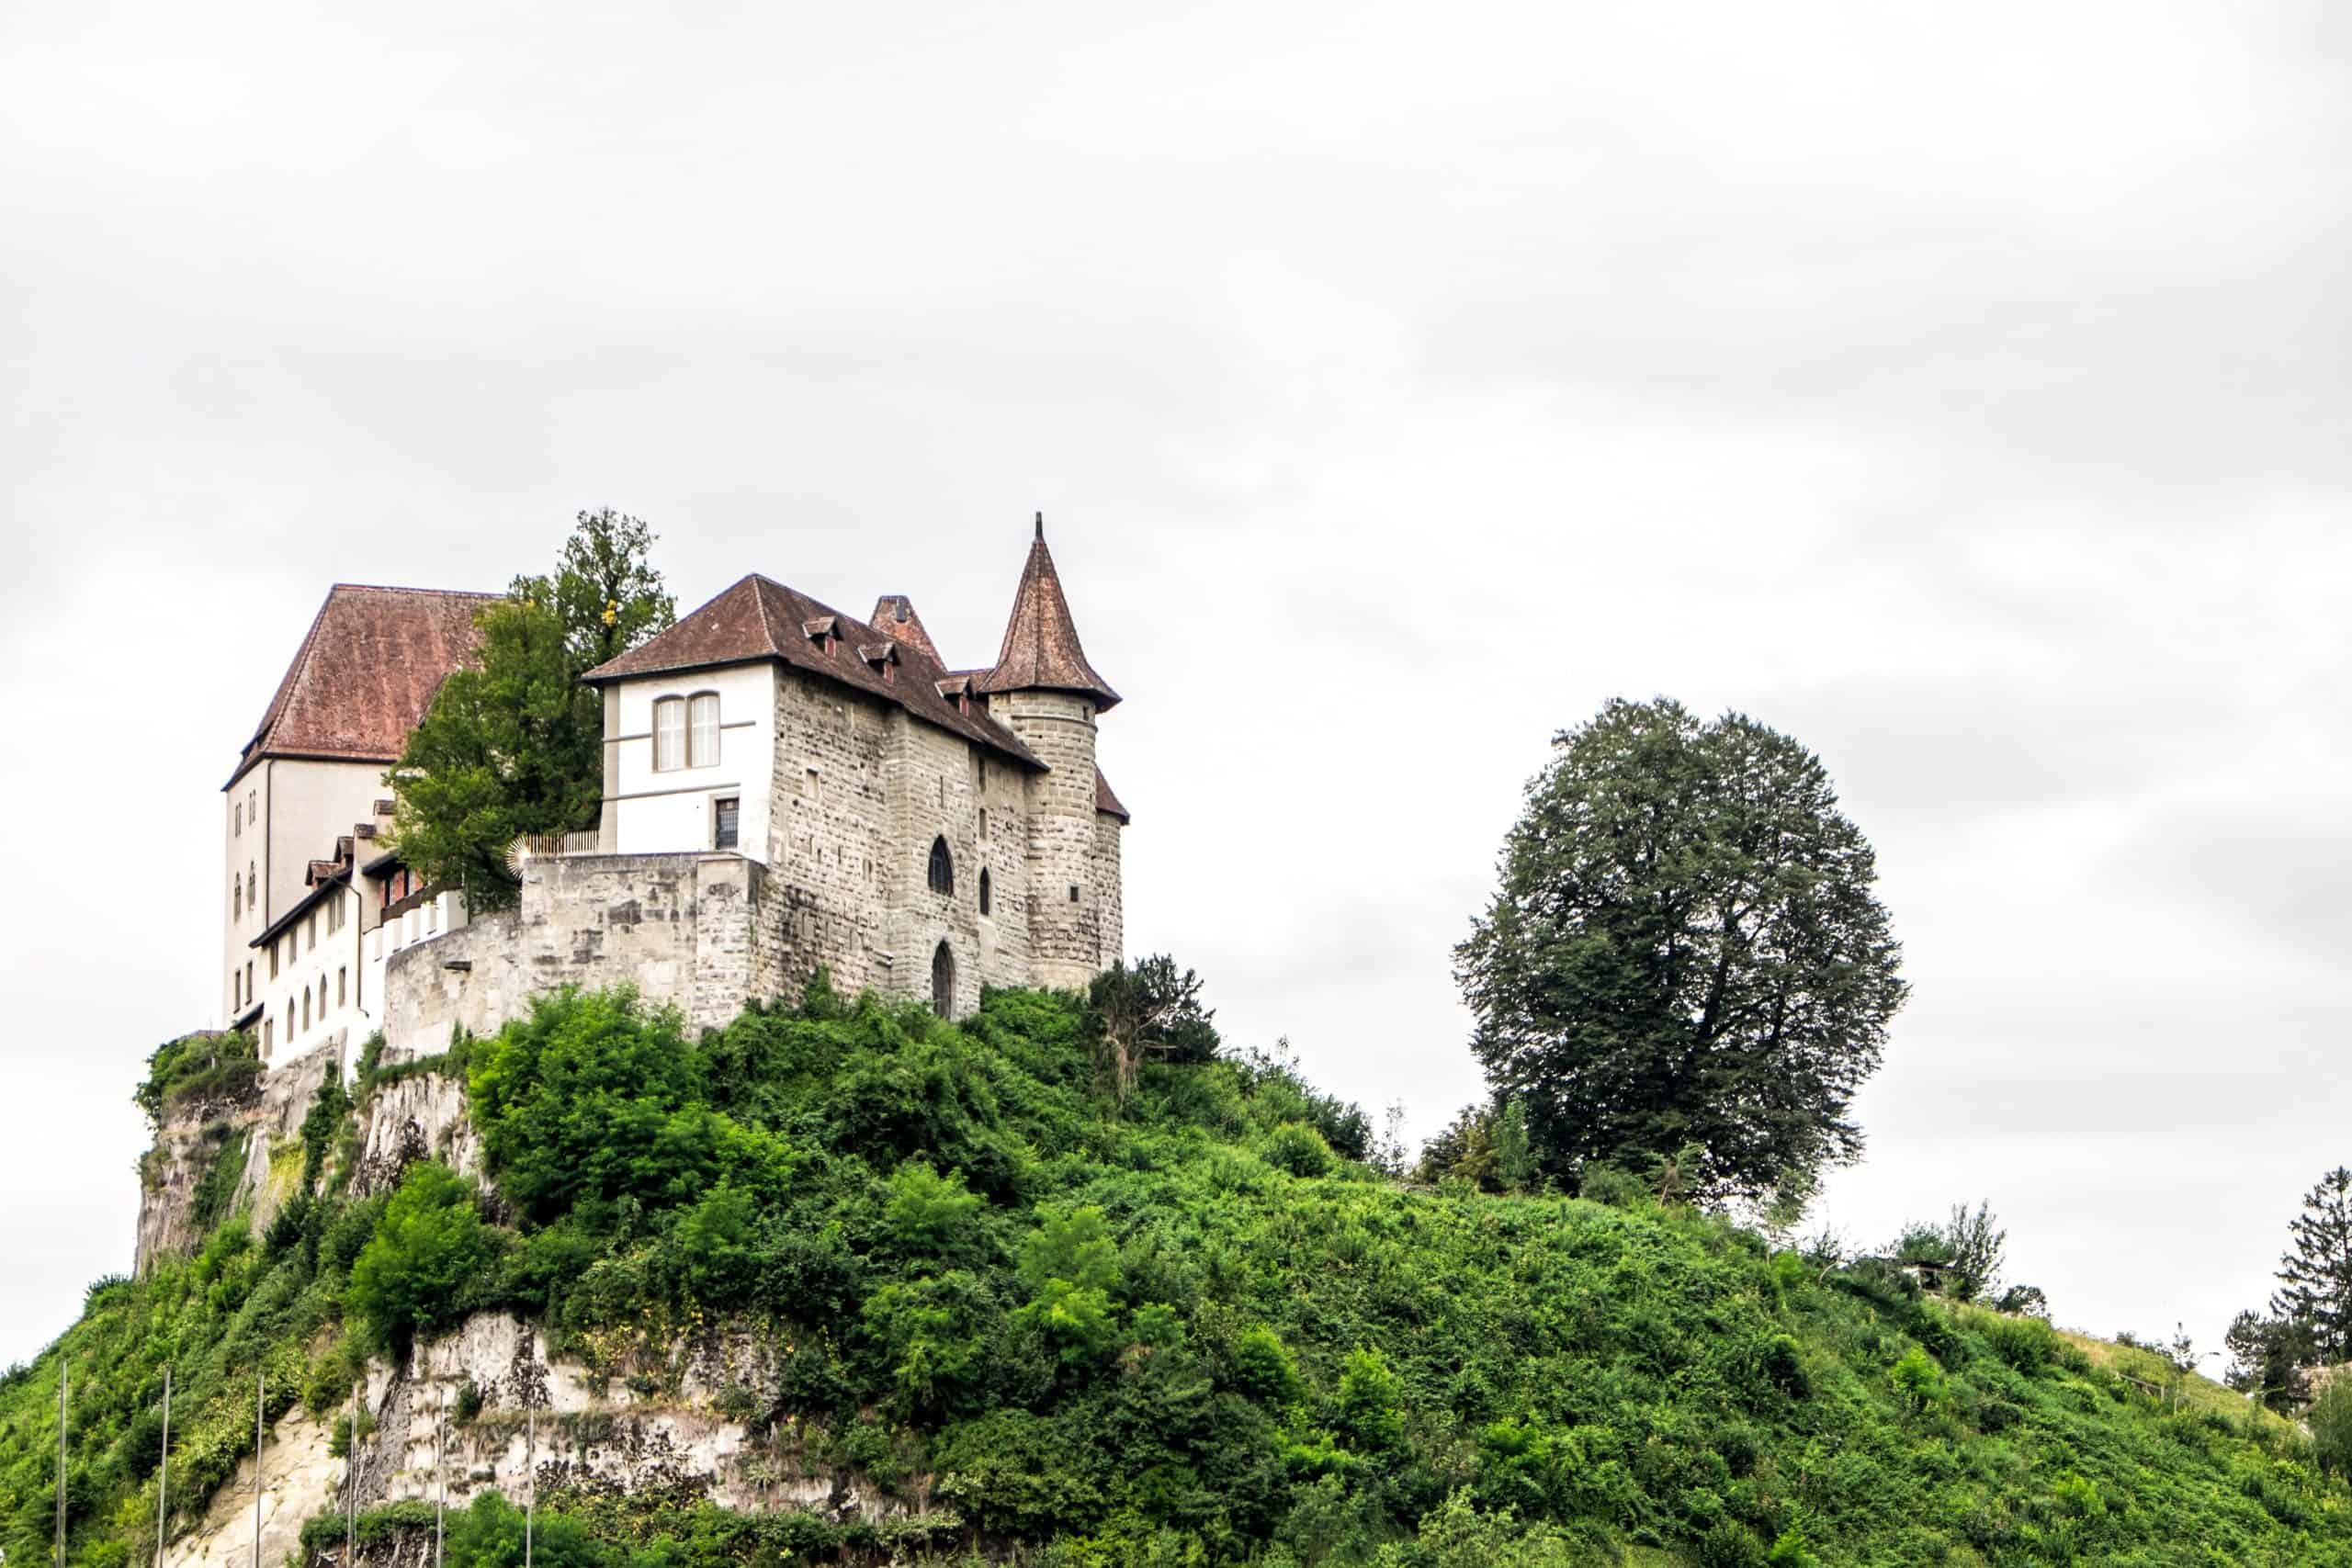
1193 1329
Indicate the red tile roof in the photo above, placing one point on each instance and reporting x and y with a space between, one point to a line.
1106 801
365 675
1041 646
894 616
760 619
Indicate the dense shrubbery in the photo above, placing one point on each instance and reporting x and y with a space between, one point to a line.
1183 1324
219 1068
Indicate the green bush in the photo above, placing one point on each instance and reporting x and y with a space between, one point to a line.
1297 1148
429 1255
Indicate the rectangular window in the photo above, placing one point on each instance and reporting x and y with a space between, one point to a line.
726 818
702 731
273 961
249 979
984 824
669 734
1073 892
310 929
341 991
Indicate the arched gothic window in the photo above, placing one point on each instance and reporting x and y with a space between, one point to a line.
942 868
942 982
984 890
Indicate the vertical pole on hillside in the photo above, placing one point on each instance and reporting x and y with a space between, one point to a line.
351 1486
440 1480
63 1376
531 1469
260 1384
163 1470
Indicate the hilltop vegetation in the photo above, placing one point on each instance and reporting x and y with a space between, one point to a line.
1189 1325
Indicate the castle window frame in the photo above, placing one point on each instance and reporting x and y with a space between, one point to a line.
702 729
669 734
941 873
942 980
726 823
987 903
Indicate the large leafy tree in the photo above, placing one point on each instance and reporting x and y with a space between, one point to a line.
1686 960
513 745
2315 1275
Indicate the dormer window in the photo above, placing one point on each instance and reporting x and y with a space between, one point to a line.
824 631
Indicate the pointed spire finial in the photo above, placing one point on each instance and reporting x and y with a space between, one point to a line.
1041 648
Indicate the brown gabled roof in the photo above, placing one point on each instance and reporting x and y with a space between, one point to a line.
1041 646
894 616
1104 801
365 675
760 619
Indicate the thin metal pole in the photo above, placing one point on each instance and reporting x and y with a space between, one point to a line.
351 1486
440 1482
530 1468
260 1383
63 1376
164 1474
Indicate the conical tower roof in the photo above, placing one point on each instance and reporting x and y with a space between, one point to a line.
1041 647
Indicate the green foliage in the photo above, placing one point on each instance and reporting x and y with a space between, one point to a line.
2315 1275
221 1155
513 744
1062 1330
1920 1381
214 1071
1961 1257
2329 1419
1297 1148
1685 950
1145 1011
421 1270
322 1126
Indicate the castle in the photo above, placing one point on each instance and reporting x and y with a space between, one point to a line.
785 788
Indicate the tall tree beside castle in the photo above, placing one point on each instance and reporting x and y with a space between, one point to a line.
2315 1275
1684 957
513 744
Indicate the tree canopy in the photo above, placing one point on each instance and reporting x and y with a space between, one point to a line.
1685 960
513 744
2315 1275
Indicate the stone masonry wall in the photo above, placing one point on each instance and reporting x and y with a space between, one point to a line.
860 790
1066 933
678 927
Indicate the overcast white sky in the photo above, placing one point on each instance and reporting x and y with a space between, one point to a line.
1964 389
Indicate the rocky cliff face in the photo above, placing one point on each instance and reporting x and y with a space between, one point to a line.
259 1130
673 1423
545 1426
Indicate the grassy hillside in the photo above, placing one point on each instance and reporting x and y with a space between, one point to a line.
1193 1329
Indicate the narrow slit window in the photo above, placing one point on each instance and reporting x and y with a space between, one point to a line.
669 734
984 890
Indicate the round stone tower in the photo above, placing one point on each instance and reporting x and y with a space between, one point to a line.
1045 691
